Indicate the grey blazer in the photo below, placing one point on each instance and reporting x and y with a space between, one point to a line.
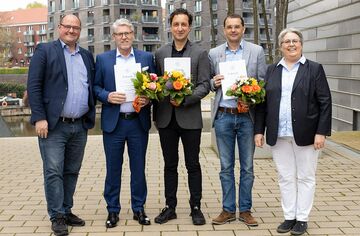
188 114
255 66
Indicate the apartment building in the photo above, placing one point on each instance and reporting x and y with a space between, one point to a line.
332 37
97 17
25 28
201 27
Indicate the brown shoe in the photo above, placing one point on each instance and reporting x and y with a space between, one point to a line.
247 218
223 218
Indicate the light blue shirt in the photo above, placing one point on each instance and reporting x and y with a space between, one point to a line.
76 103
124 61
231 55
287 81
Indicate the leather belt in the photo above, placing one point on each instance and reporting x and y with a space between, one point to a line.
128 115
229 110
69 120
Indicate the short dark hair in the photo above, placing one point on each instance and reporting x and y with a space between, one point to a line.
234 16
181 11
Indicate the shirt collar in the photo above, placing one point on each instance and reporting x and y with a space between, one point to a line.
65 46
183 49
118 54
241 46
301 60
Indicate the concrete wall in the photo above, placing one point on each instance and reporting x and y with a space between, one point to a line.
331 30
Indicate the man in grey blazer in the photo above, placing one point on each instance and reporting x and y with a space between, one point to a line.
230 125
175 121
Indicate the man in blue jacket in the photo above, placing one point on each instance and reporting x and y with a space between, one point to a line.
62 109
121 124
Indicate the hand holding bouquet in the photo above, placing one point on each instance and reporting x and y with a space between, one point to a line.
248 91
176 86
147 85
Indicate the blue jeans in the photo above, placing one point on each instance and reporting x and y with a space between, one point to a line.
62 154
228 128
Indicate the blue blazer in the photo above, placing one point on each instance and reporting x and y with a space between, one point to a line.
105 83
47 84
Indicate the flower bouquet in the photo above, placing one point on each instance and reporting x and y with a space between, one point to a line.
148 85
249 91
176 86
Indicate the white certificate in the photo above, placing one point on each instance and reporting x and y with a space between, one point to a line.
232 71
182 64
123 79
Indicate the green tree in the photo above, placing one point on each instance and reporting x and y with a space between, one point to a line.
35 5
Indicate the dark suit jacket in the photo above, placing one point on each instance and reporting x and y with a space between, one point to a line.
47 84
188 114
310 104
105 83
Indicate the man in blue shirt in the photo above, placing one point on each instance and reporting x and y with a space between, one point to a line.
62 109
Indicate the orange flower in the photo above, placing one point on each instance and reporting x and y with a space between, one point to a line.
256 88
246 89
136 104
177 85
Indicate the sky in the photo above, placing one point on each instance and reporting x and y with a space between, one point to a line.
9 5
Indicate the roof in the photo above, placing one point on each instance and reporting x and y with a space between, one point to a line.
23 16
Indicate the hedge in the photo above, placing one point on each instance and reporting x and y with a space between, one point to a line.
6 88
20 70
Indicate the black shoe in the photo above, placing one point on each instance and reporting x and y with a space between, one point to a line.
112 220
59 226
197 216
74 220
286 226
299 228
166 214
141 217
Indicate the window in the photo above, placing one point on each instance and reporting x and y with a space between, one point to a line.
19 29
75 4
197 7
19 40
19 51
106 48
197 21
62 5
183 5
90 3
51 6
43 27
170 8
197 35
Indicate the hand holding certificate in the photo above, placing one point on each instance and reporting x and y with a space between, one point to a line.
123 79
231 70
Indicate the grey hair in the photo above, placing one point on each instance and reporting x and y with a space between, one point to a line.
289 30
121 22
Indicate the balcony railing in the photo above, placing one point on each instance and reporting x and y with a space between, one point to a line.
106 19
150 19
29 32
129 2
90 21
151 37
41 32
131 17
90 38
29 54
51 25
150 2
106 37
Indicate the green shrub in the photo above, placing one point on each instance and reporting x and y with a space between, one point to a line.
19 70
6 88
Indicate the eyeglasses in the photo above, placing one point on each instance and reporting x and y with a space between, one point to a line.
291 41
126 34
69 27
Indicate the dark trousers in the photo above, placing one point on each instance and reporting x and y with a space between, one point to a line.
190 138
128 132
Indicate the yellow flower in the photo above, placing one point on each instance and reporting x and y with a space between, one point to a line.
145 78
176 74
254 82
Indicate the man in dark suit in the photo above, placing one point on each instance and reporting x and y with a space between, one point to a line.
175 121
62 109
121 124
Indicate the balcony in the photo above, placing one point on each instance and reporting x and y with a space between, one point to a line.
248 5
214 6
41 32
150 19
106 19
133 17
29 54
105 2
51 26
106 38
29 32
90 39
128 2
197 24
150 2
151 37
90 21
